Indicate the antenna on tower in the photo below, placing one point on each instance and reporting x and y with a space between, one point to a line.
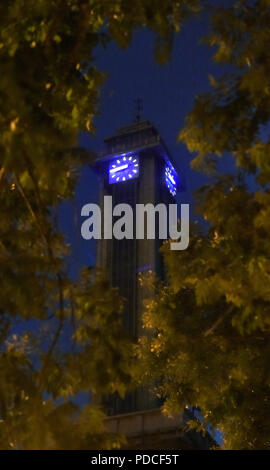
139 108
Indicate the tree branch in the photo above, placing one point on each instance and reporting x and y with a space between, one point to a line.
29 207
218 322
59 279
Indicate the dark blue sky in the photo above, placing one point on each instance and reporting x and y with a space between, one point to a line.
167 93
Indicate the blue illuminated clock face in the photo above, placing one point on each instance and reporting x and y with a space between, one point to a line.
171 178
123 168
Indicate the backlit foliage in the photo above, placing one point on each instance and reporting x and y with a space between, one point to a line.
211 323
58 337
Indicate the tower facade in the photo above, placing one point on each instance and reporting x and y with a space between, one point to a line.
135 168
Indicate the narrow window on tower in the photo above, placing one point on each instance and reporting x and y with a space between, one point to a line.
123 168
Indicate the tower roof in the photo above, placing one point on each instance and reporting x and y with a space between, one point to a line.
135 127
136 136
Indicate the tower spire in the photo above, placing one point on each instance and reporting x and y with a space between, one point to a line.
139 108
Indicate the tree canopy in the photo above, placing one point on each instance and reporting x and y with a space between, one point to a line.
210 346
58 336
211 321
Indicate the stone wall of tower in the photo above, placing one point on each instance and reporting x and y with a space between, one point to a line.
124 261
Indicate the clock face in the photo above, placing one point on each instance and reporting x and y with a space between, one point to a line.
171 178
123 168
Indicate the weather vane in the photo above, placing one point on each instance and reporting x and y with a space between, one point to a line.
139 108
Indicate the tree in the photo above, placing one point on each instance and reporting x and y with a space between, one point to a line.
211 324
81 347
49 91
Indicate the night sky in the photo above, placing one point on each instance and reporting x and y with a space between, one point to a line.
167 93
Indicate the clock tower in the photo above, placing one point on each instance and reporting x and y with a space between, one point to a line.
135 168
